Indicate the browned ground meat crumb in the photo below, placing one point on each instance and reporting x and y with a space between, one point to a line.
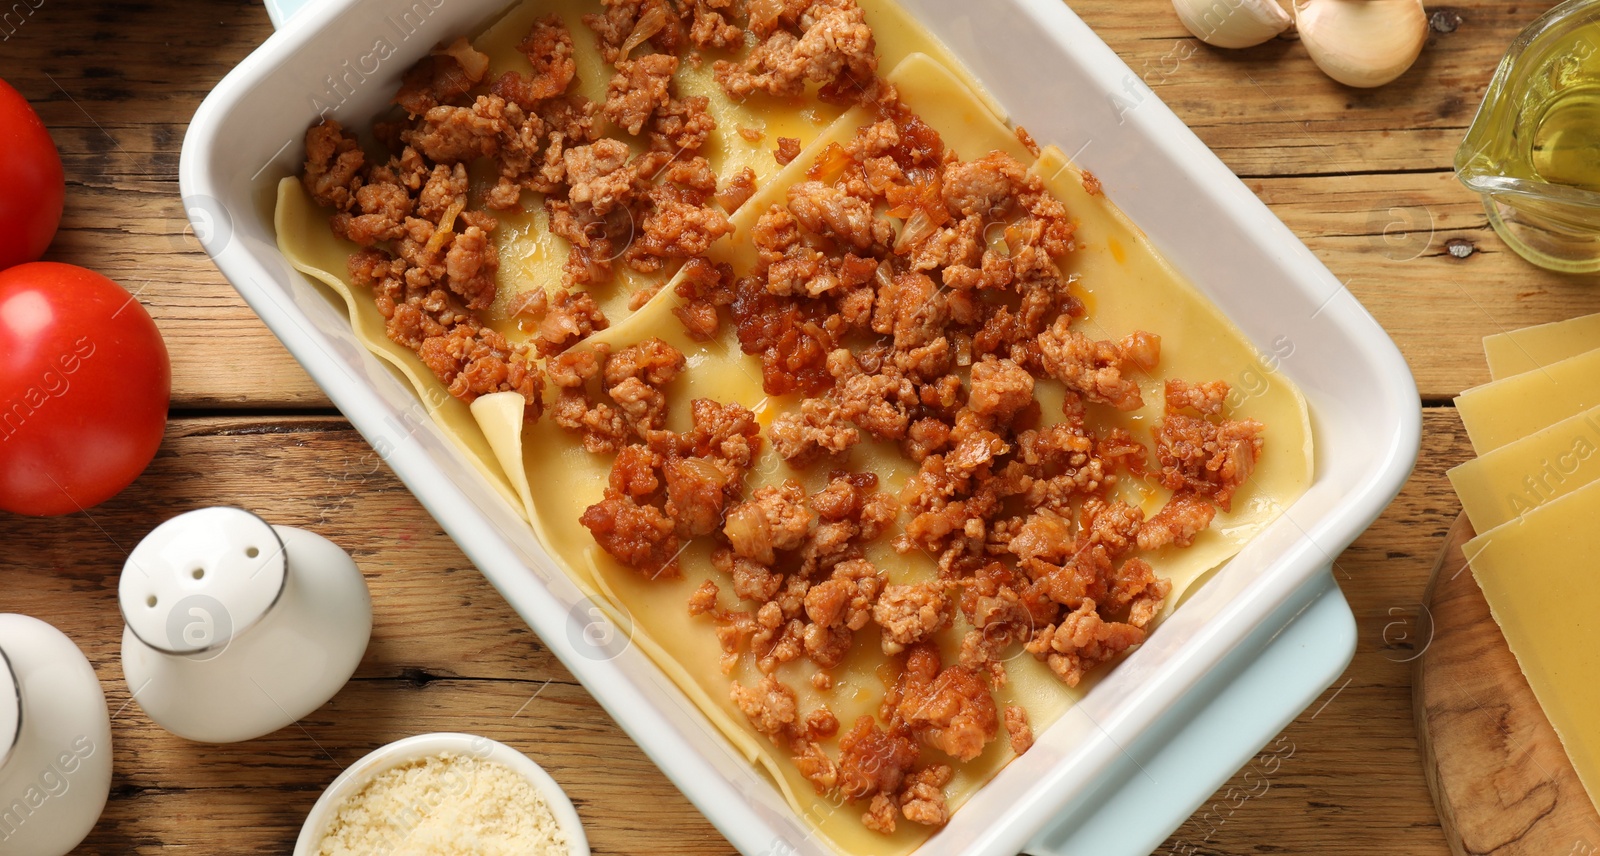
985 187
814 764
638 89
644 295
774 518
448 134
880 814
1120 450
568 119
441 77
1137 591
910 614
819 429
1082 641
470 264
1091 183
600 424
696 495
333 165
628 24
1210 456
474 362
1095 370
682 126
1205 399
1183 517
549 49
923 799
752 580
569 318
704 599
598 175
821 723
426 293
873 760
1018 731
681 222
1000 389
594 239
635 377
837 607
671 487
704 287
1026 139
846 597
767 17
639 536
827 43
788 149
770 706
379 214
711 24
948 708
738 190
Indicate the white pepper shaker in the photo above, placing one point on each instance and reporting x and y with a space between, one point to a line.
236 627
55 741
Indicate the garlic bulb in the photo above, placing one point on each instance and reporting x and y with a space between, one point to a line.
1362 43
1232 23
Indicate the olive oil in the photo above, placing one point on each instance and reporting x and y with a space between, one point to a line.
1533 152
1553 110
1564 143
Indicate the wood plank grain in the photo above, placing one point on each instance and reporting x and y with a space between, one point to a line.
1497 770
447 653
1268 110
1399 242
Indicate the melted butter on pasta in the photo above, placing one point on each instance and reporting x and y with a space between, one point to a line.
544 471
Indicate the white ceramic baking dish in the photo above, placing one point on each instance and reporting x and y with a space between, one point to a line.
1153 740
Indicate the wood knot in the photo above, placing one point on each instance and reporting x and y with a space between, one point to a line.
417 677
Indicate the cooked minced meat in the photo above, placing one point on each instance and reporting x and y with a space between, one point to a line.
902 300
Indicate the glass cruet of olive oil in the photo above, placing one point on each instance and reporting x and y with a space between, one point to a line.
1533 152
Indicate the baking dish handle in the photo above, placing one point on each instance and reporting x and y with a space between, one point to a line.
1276 673
280 11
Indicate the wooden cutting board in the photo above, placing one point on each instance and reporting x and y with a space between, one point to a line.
1499 777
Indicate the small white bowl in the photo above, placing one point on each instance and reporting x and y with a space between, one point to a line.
411 749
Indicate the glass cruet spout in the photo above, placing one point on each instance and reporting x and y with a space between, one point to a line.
1533 151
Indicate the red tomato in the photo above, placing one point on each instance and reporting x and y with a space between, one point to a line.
84 385
31 181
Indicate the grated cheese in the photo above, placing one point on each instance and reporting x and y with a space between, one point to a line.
445 805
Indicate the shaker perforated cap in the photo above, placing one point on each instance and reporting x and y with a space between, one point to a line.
200 578
10 709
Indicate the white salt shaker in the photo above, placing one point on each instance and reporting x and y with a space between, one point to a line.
237 628
55 741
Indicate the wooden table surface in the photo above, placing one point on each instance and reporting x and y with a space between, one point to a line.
1364 178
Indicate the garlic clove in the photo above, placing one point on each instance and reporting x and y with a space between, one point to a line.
1362 43
1233 23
